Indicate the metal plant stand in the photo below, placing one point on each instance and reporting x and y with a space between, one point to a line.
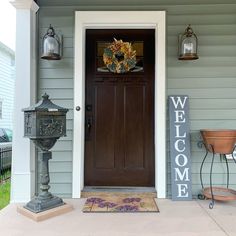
208 192
202 196
45 123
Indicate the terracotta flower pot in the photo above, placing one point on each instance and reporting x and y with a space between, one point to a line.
222 141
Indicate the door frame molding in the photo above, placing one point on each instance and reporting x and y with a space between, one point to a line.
120 20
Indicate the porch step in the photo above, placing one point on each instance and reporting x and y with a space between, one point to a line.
97 191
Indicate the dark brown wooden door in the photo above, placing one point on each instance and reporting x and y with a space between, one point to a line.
119 122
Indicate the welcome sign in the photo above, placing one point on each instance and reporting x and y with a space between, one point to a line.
181 182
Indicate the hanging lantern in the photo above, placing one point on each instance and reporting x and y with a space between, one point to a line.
188 45
51 45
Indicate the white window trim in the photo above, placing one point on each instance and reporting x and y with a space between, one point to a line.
120 20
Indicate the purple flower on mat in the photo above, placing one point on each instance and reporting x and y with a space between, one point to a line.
107 204
125 208
129 200
94 200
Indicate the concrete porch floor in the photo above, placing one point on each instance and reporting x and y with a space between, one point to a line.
175 219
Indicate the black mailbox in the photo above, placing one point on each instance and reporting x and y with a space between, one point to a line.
45 120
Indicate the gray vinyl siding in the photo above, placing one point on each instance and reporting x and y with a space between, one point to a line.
210 81
7 82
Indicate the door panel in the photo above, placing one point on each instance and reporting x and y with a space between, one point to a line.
119 147
105 119
134 117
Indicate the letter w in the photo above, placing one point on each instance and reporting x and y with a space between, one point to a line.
178 102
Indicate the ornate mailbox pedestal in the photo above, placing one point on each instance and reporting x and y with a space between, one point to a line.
44 124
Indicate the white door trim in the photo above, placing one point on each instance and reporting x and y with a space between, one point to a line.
120 20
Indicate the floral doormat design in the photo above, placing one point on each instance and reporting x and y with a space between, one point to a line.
119 204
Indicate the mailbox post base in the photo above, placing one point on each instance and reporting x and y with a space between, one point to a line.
45 200
37 204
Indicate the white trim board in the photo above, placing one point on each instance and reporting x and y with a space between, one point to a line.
120 20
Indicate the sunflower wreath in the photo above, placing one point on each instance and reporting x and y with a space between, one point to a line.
119 57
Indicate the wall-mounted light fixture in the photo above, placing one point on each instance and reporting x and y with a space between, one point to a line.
188 44
51 49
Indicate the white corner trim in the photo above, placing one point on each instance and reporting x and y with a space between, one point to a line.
120 20
23 151
25 4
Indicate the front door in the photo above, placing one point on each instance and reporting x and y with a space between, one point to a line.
119 119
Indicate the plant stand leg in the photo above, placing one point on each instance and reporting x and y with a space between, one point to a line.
45 200
227 168
211 205
201 196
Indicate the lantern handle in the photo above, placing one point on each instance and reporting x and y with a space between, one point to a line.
189 31
51 31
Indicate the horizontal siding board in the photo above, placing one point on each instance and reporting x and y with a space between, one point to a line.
64 63
62 145
60 167
56 83
202 19
215 103
205 92
58 93
62 156
58 21
68 53
196 72
213 124
212 115
58 73
187 83
68 42
220 61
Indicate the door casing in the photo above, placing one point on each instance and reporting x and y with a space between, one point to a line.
120 20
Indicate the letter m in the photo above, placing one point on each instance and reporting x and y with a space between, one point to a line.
181 176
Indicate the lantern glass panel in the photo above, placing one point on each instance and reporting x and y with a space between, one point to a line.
188 45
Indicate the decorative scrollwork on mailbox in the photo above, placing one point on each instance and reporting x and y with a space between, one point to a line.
48 127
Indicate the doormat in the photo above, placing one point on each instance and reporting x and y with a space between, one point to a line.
119 204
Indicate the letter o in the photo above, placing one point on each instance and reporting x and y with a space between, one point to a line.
177 159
